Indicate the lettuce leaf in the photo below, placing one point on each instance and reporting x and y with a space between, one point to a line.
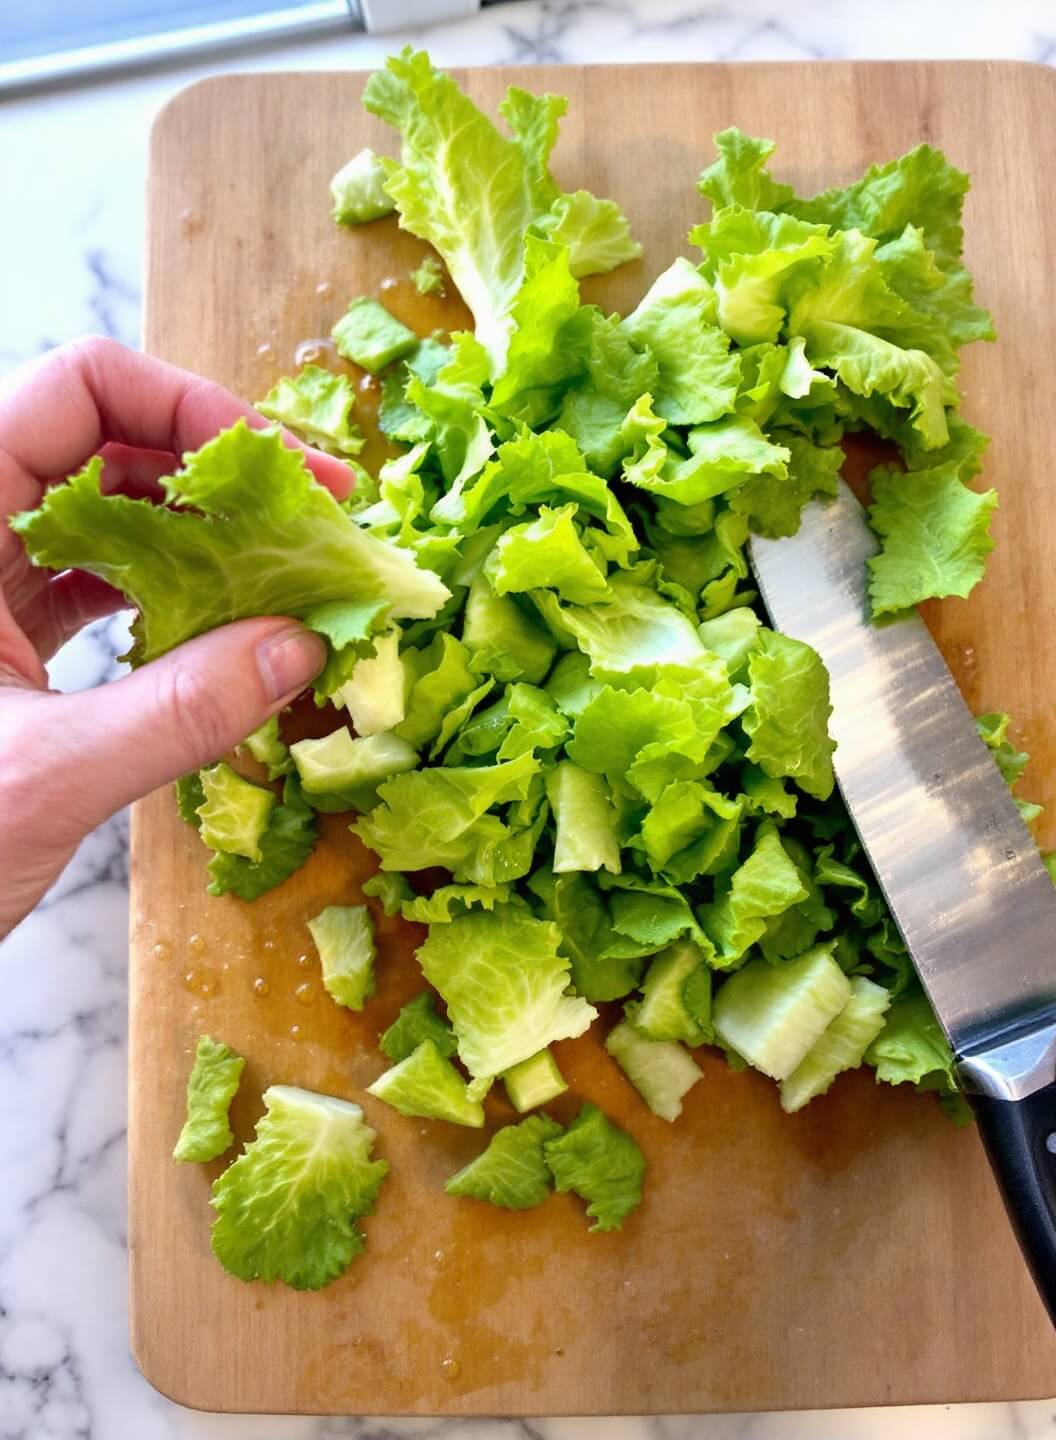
512 1171
503 981
601 1163
317 406
288 1206
247 531
417 1021
787 722
211 1087
935 535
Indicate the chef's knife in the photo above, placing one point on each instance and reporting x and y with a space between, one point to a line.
964 880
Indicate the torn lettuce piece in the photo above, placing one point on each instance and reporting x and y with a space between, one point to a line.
675 320
739 176
373 694
596 232
787 722
464 187
935 537
371 336
503 980
444 681
547 349
391 889
437 816
767 884
448 901
235 813
773 1015
284 847
428 278
349 771
428 1085
585 821
547 552
247 531
288 1206
732 637
636 630
841 1047
418 1021
601 1163
911 1048
531 721
664 1012
211 1087
512 1171
604 966
344 938
358 190
535 1081
268 748
503 641
689 830
317 406
660 1070
598 411
189 798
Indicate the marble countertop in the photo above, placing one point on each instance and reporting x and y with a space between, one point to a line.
73 166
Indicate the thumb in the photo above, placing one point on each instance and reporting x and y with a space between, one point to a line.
182 711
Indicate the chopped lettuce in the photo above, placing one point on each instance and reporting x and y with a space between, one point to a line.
268 748
248 531
358 190
211 1087
317 406
585 821
372 337
773 1015
535 1081
601 1163
418 1021
288 1206
427 1084
503 980
428 278
842 1045
391 889
662 1071
512 1171
344 938
234 813
284 847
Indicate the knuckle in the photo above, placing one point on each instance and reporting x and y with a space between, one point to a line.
190 705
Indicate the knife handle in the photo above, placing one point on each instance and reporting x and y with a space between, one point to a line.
1020 1141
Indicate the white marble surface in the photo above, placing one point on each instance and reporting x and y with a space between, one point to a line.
72 168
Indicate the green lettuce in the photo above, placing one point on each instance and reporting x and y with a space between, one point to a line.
601 1163
416 1022
427 1084
287 1209
344 938
787 722
247 531
512 1171
503 980
211 1087
935 537
317 406
358 190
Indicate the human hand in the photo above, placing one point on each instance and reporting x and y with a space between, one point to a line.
67 762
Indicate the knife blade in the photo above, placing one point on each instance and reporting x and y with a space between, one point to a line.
957 865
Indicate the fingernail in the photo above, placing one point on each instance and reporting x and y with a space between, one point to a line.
289 660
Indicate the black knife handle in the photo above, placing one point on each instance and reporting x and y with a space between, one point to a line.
1020 1140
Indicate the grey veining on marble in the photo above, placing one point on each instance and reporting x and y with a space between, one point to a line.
72 165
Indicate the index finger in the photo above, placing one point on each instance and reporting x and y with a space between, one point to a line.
59 409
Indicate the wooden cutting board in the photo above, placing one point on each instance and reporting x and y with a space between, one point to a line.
854 1254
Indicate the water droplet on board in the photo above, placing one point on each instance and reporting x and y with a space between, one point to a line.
439 1256
305 994
304 961
630 1289
191 980
268 945
162 950
369 385
450 1367
261 987
196 944
559 1351
295 1032
324 289
192 221
266 351
389 283
316 350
